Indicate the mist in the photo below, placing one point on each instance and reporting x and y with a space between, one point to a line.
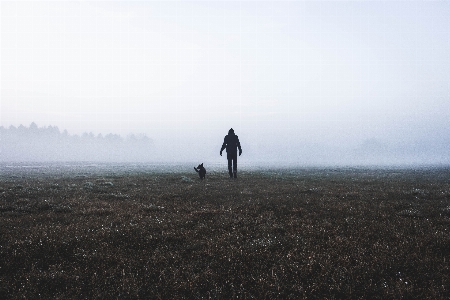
301 82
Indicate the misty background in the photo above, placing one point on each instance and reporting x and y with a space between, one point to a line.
301 82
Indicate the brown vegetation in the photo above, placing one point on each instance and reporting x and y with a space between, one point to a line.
306 233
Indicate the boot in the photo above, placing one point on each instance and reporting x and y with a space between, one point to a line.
235 174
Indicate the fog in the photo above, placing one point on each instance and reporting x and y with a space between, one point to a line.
301 82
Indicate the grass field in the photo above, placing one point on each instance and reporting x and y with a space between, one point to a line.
150 233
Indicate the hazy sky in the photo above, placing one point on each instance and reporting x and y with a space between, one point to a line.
283 73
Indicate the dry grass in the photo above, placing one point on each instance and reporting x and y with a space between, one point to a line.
307 233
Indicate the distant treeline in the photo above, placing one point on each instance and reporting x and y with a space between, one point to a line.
35 143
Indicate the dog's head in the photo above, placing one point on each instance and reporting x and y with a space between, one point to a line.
200 166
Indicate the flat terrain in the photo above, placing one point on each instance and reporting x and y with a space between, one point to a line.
160 233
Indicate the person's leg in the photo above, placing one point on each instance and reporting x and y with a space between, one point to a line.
230 171
235 166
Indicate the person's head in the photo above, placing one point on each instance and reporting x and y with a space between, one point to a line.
231 131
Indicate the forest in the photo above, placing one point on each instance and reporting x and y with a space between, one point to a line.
36 143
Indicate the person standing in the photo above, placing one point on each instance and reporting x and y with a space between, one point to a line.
231 144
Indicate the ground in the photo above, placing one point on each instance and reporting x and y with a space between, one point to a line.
161 233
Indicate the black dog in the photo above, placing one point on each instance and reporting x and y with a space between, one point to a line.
201 171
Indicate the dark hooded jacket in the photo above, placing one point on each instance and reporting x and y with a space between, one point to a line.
231 143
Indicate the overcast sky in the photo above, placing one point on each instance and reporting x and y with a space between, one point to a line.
282 73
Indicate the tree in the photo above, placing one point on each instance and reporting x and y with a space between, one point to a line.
33 127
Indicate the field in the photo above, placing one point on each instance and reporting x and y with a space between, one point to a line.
148 232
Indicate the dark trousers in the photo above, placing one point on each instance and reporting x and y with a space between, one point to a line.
232 160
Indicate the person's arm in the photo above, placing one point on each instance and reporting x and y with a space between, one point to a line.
239 146
224 145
